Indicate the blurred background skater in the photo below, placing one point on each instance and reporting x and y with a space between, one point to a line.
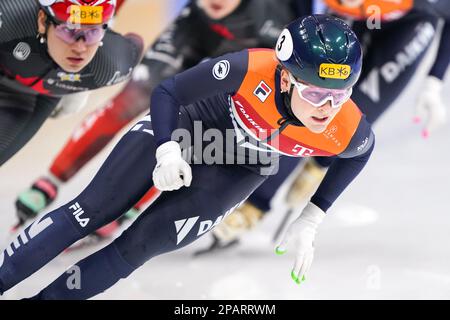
55 54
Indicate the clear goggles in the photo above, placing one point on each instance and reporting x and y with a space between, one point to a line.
70 34
319 96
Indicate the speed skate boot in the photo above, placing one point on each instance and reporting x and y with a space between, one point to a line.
34 200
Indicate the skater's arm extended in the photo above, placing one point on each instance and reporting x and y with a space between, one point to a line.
302 231
216 76
346 167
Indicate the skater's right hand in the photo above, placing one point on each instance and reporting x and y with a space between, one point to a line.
171 171
301 234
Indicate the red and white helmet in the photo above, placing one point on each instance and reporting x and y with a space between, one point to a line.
83 12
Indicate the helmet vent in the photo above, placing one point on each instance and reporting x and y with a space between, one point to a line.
347 45
324 42
321 36
304 34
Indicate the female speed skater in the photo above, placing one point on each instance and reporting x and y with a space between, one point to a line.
231 117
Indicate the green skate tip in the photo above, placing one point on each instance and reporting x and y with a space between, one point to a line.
295 278
279 252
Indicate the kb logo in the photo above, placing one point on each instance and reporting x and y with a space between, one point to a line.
334 71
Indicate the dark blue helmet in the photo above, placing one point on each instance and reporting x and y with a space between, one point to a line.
321 50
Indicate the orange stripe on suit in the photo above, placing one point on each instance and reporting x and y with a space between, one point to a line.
255 109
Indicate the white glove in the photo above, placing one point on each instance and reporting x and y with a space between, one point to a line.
171 171
430 107
302 233
70 104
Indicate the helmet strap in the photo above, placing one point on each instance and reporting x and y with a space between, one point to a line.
287 98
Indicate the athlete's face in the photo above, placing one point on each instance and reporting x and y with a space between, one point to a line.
316 119
218 9
70 57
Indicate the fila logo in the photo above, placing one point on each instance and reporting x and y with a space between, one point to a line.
78 211
262 91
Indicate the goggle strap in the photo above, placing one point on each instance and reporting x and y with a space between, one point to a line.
287 101
291 118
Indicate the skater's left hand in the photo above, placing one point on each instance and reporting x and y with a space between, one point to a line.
301 234
430 108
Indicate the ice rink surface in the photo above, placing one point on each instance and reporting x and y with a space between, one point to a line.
387 237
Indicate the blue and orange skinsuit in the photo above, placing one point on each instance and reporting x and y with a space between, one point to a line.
207 95
252 114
